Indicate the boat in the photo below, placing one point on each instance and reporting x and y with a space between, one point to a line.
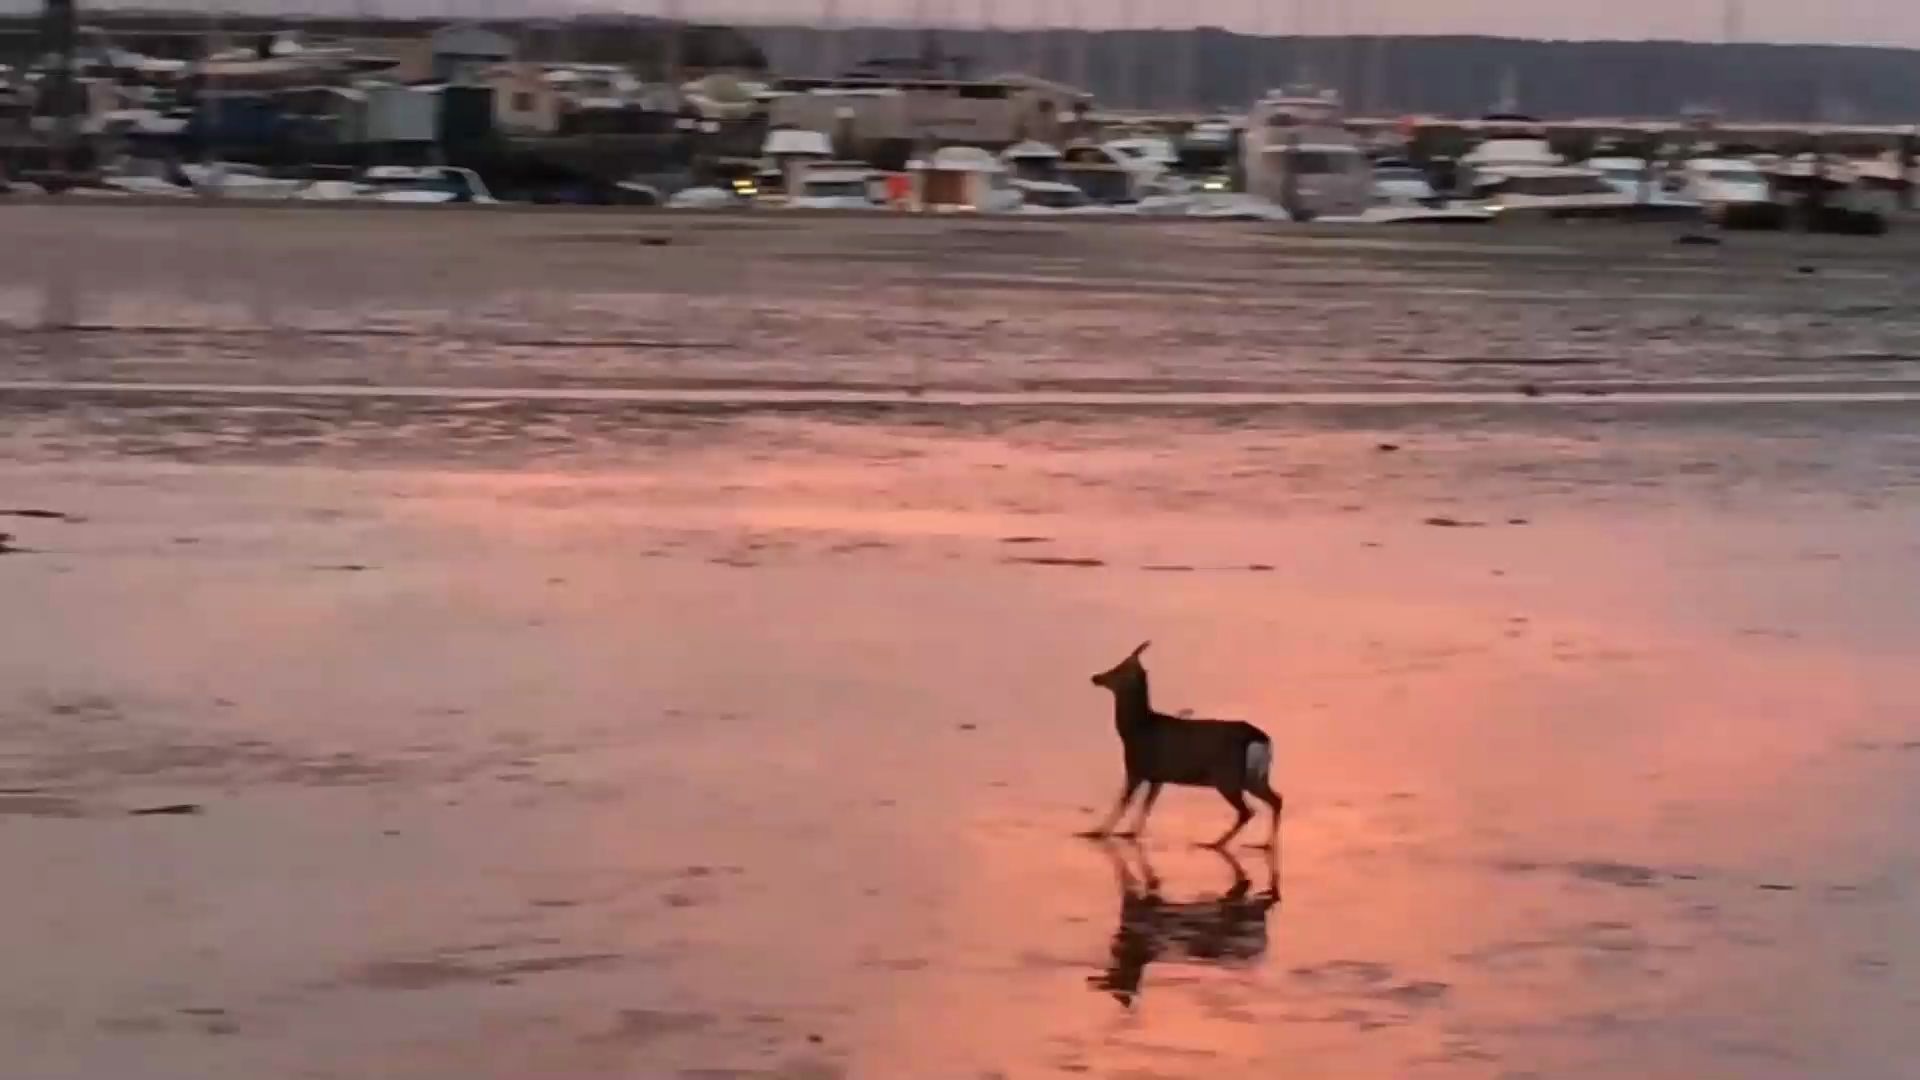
1057 198
1095 169
1514 143
784 152
227 180
1402 195
1627 175
1152 159
1733 193
330 191
1822 194
1216 205
1557 191
1654 193
835 185
1517 171
961 179
1298 154
706 197
1208 146
1397 182
424 185
1447 213
1032 160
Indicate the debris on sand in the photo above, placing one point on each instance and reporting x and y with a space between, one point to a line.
6 545
344 568
969 727
1388 448
1059 560
1625 875
1454 523
1026 539
1518 521
1529 390
1769 886
1694 239
168 810
27 804
39 515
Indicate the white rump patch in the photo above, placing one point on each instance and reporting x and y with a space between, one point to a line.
1259 759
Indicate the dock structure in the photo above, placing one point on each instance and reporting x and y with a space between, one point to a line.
597 100
1452 135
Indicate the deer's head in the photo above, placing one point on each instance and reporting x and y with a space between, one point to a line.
1128 675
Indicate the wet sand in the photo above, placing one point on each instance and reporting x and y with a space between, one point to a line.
591 736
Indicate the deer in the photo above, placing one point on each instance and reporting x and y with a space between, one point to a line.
1229 756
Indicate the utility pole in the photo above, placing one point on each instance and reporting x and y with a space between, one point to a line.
60 31
830 62
674 60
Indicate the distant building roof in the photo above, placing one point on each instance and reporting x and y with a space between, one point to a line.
467 40
796 141
1034 82
1031 150
963 159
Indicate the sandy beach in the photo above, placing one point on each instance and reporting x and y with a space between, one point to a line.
520 718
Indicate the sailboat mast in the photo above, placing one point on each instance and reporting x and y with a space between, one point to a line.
1037 40
1190 70
1082 44
828 56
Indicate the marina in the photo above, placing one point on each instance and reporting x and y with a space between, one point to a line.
697 116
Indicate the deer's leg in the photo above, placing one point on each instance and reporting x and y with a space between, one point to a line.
1241 882
1272 895
1122 873
1146 807
1242 815
1102 830
1272 798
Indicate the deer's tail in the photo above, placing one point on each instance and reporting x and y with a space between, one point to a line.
1259 760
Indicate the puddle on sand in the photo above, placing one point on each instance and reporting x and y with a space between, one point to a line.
671 736
513 801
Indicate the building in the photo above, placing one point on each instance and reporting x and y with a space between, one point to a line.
993 112
525 100
466 54
402 114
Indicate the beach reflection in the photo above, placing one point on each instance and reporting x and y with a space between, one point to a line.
1227 929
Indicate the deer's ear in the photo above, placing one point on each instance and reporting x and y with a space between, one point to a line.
1135 654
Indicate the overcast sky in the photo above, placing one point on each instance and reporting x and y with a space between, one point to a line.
1854 21
1873 21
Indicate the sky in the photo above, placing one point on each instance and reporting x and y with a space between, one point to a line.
1889 22
1884 22
1852 21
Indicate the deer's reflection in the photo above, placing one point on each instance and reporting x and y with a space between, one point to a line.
1228 929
